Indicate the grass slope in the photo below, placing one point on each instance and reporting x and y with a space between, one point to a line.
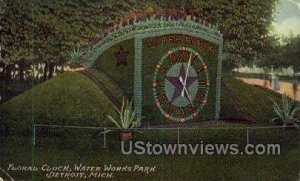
69 98
109 85
73 99
255 100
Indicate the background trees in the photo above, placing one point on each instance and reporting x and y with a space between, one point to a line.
37 35
284 55
43 31
291 53
244 24
16 39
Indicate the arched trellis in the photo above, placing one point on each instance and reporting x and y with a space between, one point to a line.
153 27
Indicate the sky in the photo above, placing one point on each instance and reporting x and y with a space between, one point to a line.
288 19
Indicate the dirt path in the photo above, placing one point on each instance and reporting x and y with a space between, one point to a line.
285 87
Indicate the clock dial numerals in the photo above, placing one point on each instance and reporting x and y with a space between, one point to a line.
200 98
170 109
203 84
163 100
180 84
193 111
177 57
195 56
182 113
157 84
202 68
175 60
161 67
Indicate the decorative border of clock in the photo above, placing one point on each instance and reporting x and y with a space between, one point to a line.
154 27
180 84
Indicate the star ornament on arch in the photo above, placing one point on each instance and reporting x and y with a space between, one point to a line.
121 56
175 81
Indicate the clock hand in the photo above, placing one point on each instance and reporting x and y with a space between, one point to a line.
187 92
182 91
189 96
187 69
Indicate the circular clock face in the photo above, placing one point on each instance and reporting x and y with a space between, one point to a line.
180 84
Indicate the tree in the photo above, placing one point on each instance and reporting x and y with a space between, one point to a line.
45 31
16 37
291 53
283 55
244 24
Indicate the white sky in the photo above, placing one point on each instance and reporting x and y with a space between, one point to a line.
288 19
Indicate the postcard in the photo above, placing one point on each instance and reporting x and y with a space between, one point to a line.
149 90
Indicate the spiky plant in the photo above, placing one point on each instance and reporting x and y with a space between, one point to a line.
286 112
127 116
75 57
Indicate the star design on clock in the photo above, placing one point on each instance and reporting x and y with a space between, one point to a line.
175 81
121 56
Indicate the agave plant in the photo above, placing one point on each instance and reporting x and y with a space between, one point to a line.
75 57
286 112
127 116
126 121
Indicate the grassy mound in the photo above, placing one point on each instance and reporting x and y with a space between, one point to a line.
112 87
73 99
69 99
254 100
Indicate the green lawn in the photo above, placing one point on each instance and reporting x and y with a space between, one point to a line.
73 99
87 149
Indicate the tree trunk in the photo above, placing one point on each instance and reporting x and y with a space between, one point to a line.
45 71
2 73
51 69
38 72
62 68
21 70
8 73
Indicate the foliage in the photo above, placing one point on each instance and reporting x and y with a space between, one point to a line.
244 24
127 116
16 31
286 112
283 55
291 52
16 34
75 57
44 31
